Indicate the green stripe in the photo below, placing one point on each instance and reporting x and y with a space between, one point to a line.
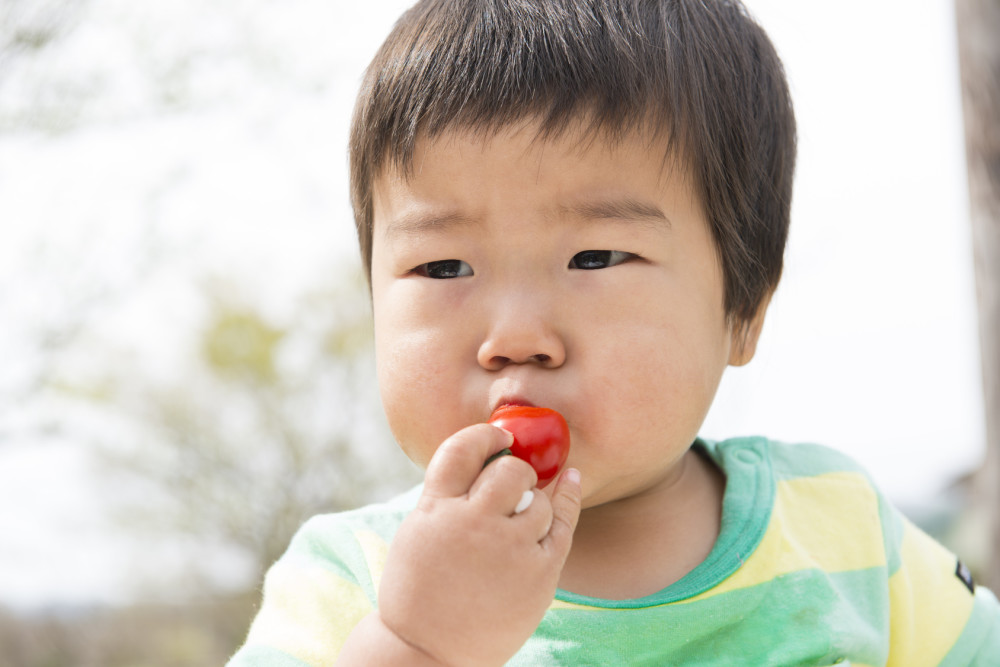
979 643
806 460
806 617
892 533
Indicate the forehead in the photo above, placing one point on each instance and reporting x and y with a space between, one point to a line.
577 169
581 133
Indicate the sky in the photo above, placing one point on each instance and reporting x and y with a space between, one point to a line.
870 344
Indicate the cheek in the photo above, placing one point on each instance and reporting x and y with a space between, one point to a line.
419 348
413 374
662 383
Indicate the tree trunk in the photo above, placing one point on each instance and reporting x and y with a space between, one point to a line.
978 24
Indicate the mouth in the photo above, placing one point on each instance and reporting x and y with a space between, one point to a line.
510 401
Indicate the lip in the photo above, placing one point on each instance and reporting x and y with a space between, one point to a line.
511 401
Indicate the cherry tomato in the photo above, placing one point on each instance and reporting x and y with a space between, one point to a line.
541 437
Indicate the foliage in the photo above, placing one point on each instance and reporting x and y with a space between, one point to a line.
175 197
173 187
193 635
278 421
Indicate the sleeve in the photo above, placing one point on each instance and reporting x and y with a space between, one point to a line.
938 616
314 596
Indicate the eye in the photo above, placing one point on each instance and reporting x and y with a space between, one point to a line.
589 260
443 269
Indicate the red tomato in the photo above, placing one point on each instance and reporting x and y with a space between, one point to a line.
541 437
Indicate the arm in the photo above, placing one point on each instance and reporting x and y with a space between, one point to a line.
467 580
937 616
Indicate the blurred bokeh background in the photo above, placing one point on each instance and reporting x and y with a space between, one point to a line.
185 362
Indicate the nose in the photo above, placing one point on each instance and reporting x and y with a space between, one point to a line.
522 331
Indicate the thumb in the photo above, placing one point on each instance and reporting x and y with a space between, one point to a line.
566 501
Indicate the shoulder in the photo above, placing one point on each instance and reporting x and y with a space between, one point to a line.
352 537
383 518
787 460
323 585
342 549
815 496
806 475
807 468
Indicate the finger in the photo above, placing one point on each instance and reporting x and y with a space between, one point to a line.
536 517
566 501
540 514
458 461
501 485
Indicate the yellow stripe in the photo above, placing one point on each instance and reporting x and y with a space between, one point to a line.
929 604
375 550
561 604
828 522
307 612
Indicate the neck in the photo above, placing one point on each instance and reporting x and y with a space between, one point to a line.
639 545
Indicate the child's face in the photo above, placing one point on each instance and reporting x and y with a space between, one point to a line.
576 276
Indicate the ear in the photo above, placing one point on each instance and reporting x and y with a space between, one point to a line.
746 334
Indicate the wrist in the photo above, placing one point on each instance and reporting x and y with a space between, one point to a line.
373 643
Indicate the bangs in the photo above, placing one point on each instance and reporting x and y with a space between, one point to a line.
484 65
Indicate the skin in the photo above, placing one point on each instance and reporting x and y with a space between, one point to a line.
482 295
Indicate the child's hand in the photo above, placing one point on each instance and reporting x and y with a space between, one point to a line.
467 580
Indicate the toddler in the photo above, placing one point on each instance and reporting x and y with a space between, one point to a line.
582 205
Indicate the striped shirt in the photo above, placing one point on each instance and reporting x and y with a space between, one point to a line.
812 566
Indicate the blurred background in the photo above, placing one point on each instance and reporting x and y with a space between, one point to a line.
186 371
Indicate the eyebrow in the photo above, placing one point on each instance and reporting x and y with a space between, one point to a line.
623 209
412 224
628 209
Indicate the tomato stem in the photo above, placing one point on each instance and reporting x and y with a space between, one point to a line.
493 457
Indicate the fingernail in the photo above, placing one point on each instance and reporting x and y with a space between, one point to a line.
510 436
526 499
573 476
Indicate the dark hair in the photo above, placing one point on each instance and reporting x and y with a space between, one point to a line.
700 71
